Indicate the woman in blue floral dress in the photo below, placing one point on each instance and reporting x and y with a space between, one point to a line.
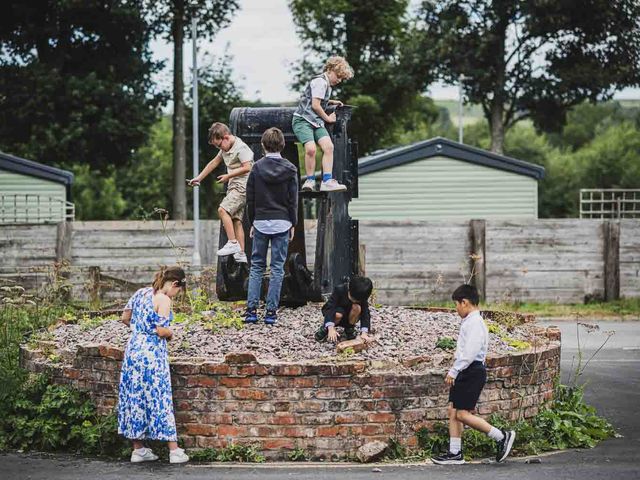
145 404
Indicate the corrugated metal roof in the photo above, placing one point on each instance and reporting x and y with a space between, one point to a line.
438 146
27 167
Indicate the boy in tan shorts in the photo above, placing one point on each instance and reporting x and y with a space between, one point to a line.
238 158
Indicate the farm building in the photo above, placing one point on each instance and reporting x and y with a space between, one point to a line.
441 179
33 193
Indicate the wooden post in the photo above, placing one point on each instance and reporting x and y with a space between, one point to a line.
63 242
611 236
94 285
478 263
362 260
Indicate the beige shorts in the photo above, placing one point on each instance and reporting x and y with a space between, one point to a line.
234 203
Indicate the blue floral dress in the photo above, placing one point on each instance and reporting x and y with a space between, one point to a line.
145 404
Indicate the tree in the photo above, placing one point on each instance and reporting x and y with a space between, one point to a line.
75 81
532 59
387 77
171 19
218 95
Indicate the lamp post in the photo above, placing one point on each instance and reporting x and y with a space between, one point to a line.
195 260
461 78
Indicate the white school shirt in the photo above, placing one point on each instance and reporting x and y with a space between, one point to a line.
473 343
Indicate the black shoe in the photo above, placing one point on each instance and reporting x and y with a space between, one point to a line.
271 317
504 446
251 315
321 334
449 459
350 333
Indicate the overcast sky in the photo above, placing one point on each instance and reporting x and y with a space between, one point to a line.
263 43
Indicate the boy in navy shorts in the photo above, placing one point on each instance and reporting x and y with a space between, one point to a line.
467 378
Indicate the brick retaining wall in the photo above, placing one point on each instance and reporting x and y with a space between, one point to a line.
325 408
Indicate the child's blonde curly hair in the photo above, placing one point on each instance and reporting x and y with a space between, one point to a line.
340 66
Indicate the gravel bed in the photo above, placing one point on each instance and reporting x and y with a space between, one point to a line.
400 333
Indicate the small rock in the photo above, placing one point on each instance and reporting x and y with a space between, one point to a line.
533 460
376 470
370 452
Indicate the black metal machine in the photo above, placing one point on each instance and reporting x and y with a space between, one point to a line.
336 255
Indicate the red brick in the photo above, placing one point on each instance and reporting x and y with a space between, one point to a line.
185 368
71 373
215 368
231 431
282 419
235 381
287 370
277 444
335 382
350 418
366 430
381 417
297 432
332 431
239 358
201 381
249 394
200 429
110 352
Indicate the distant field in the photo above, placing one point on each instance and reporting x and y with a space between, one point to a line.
473 113
470 113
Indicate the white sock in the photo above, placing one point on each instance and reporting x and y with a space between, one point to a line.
495 434
233 241
455 444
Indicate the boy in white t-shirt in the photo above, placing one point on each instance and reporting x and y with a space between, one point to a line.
238 158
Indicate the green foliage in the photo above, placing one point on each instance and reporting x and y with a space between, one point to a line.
43 417
387 78
231 453
239 453
446 343
567 423
298 454
145 183
76 82
97 197
543 71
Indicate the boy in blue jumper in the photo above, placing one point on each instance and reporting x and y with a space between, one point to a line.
272 210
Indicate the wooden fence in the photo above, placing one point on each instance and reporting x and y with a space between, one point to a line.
564 261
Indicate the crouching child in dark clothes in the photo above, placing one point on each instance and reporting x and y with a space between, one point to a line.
466 379
348 305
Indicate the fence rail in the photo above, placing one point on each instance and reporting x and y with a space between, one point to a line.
609 203
33 208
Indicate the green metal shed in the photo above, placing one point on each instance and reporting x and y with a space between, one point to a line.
440 179
33 193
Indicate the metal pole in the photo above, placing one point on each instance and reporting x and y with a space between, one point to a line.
195 261
460 129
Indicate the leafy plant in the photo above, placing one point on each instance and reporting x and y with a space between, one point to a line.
239 453
446 343
298 454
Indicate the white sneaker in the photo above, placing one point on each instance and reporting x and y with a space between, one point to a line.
178 456
143 455
309 186
332 186
229 249
240 257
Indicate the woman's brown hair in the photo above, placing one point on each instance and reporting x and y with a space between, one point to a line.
169 274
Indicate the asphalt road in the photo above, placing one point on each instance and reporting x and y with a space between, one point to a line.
613 387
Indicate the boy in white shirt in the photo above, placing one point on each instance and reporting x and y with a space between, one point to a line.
467 378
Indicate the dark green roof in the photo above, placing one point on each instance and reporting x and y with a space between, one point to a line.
443 147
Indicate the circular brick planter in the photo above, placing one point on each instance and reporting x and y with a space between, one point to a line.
328 409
